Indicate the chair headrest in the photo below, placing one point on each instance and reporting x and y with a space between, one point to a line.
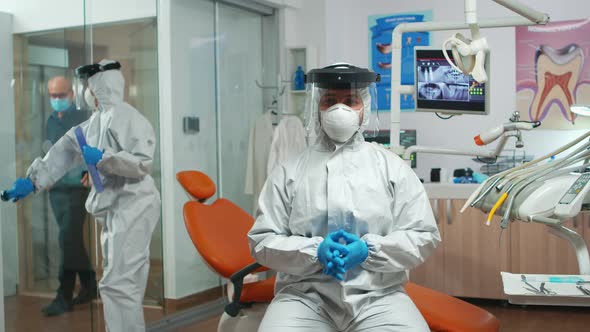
197 184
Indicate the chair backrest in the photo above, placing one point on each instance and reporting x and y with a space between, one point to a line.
219 232
197 184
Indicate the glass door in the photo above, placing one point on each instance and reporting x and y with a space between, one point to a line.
239 55
48 243
247 60
218 52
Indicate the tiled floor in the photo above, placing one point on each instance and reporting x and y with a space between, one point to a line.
22 314
512 318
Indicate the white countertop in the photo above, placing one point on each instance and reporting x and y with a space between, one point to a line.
449 190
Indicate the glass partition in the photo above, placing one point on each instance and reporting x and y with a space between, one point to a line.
51 245
52 238
218 53
240 58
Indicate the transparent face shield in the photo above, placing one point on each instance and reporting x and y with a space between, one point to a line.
325 93
80 85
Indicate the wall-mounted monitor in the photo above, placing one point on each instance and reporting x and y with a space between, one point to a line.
441 88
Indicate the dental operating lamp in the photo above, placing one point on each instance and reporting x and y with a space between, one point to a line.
583 110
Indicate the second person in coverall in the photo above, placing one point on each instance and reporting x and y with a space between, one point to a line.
121 144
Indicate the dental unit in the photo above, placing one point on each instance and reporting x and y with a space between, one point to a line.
543 190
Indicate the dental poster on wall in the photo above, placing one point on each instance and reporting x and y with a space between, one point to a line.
380 30
552 73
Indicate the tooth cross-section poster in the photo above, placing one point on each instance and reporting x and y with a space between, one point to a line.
380 29
552 73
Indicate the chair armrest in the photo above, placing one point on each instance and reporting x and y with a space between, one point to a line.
237 279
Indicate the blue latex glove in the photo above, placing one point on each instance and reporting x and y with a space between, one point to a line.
358 251
20 189
329 252
335 270
91 155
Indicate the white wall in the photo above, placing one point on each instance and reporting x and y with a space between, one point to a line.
281 3
303 25
7 6
37 15
346 26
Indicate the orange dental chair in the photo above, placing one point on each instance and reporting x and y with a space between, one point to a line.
228 254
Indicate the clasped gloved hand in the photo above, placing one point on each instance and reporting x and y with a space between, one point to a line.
358 251
329 253
91 155
355 253
20 189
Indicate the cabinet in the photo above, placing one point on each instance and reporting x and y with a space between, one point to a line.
468 261
306 57
471 256
431 273
584 219
535 250
474 253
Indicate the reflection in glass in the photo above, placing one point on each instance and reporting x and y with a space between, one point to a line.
53 257
239 61
42 218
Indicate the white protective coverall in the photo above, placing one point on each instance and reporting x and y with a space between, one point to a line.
363 189
129 207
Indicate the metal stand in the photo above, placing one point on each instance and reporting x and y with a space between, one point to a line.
577 243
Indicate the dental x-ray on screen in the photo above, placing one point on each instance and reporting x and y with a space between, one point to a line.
441 88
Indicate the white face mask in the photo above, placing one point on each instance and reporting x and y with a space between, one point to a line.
340 122
90 99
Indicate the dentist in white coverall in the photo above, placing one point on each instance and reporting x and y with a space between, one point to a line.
121 143
342 222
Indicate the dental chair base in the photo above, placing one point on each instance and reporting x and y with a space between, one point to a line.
577 243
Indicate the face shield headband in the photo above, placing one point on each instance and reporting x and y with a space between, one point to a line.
341 84
82 74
